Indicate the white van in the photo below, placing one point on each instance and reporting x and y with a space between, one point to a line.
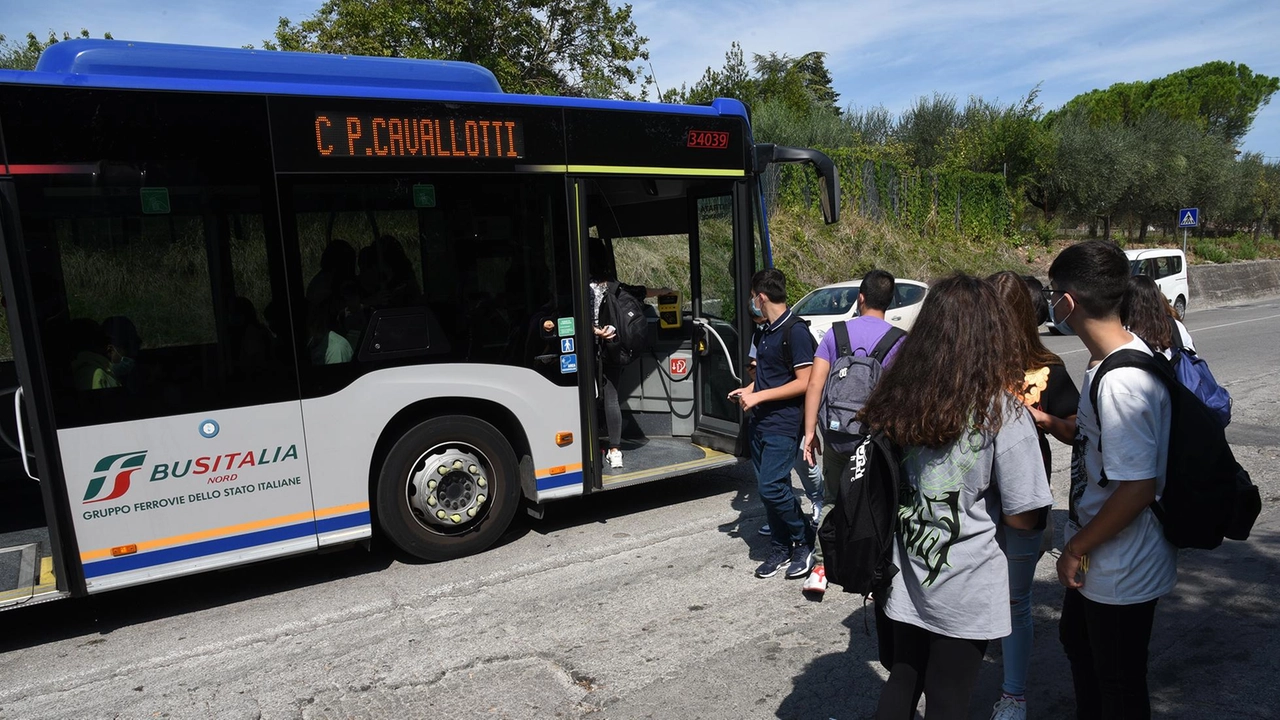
1168 267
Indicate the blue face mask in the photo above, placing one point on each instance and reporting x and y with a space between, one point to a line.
1060 325
755 311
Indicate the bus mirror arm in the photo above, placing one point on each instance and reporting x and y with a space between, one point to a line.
828 178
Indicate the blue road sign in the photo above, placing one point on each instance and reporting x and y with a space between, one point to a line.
568 364
1189 217
566 345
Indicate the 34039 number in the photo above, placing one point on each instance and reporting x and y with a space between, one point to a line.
708 139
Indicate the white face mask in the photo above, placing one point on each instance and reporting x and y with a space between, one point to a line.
1061 324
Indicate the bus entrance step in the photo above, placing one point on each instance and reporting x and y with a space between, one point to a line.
19 570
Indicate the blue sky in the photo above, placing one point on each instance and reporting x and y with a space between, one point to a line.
879 52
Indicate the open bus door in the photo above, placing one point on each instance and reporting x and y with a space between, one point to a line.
32 566
683 240
720 272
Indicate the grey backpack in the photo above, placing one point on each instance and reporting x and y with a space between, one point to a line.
849 383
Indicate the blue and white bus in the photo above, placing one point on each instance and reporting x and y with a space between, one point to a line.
264 303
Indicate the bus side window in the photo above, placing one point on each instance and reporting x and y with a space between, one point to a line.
147 301
485 268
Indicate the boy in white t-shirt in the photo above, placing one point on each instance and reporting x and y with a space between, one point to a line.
1116 563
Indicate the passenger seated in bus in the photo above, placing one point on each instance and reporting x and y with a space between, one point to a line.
123 349
386 275
337 266
91 356
354 315
276 317
325 342
251 343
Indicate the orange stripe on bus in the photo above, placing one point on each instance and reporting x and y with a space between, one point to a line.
211 533
558 470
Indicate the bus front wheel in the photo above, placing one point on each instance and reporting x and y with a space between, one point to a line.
448 488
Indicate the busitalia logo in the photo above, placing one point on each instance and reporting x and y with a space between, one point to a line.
125 465
128 464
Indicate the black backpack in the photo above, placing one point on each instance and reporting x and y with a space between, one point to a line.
858 533
626 314
1207 495
849 383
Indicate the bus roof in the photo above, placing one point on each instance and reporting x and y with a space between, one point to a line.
98 63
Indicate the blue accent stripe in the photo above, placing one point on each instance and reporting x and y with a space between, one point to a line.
342 522
221 545
157 66
555 481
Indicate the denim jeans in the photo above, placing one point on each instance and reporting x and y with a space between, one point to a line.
810 478
772 457
833 464
1022 548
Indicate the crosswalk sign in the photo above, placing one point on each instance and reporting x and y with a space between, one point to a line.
1189 217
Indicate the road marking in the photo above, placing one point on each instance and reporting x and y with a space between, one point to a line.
1211 327
1238 322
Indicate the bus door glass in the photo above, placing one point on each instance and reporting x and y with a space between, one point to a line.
30 545
155 310
719 276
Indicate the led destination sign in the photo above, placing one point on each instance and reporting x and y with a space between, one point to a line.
365 135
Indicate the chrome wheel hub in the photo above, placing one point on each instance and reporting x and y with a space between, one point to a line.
449 486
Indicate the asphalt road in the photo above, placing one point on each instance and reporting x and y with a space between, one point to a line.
637 603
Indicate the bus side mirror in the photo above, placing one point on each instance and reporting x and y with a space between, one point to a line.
830 207
828 178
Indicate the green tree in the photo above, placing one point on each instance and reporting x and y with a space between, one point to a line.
872 126
1093 166
1163 154
802 83
923 128
1256 186
23 55
734 80
563 47
1004 139
817 81
1222 97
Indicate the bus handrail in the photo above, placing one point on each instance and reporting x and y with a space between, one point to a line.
21 447
706 325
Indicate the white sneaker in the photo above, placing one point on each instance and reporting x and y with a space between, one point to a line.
614 457
1009 709
816 582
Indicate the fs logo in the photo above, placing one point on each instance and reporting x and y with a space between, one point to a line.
128 463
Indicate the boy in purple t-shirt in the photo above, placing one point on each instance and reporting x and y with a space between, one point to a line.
875 295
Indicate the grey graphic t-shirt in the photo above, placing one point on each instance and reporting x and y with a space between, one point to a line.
953 577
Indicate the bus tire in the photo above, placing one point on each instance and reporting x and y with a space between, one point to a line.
449 487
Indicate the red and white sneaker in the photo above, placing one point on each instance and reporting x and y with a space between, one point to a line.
816 582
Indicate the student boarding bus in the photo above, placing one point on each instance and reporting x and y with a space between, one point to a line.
263 303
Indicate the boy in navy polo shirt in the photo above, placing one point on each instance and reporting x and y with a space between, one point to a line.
774 403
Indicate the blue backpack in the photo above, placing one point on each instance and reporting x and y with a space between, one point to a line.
1193 372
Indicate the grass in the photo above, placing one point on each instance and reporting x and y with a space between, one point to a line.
813 254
